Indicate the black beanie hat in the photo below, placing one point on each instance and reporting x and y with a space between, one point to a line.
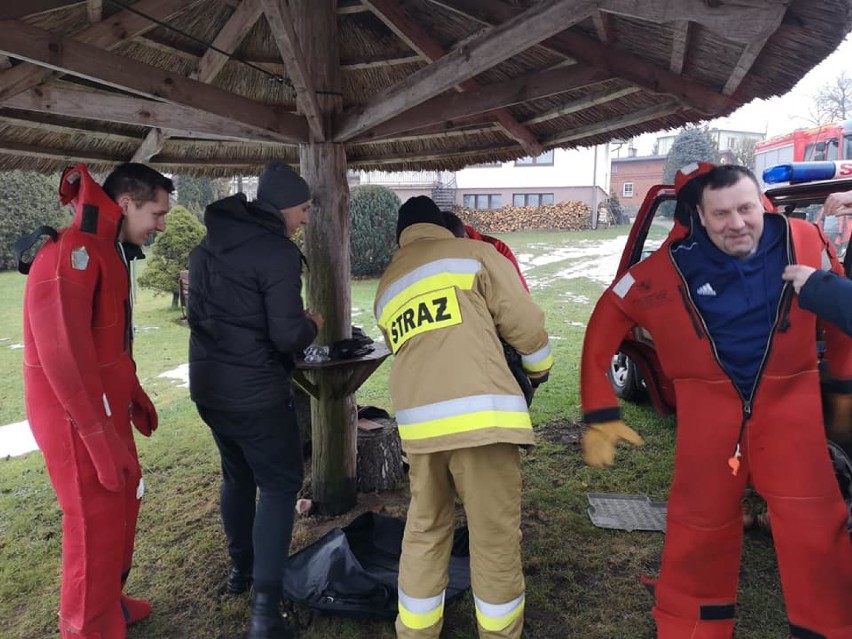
281 187
417 210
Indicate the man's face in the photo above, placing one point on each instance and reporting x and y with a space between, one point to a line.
142 220
296 216
733 217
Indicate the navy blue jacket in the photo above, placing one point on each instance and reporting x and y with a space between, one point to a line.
245 310
737 298
829 297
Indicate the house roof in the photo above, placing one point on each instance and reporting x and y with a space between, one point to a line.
641 158
208 87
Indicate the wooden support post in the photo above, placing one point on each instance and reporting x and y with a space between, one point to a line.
323 166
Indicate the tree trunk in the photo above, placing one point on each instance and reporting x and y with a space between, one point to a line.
379 457
323 166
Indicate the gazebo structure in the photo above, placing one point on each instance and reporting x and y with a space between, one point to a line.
218 87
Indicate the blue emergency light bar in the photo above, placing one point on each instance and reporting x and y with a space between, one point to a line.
796 172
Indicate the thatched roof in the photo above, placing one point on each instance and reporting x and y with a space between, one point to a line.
425 83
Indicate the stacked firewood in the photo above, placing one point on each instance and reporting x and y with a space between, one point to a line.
564 216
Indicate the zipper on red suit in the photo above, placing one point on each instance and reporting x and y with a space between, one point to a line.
780 318
128 309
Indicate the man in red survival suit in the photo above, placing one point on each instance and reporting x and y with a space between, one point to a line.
82 392
743 359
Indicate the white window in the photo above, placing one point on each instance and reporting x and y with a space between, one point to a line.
627 189
532 199
482 201
545 159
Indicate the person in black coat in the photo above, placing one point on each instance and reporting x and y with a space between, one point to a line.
246 321
825 293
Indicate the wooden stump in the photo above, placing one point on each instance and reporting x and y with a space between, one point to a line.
379 457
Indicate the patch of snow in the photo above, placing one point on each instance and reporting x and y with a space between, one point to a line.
181 373
15 347
577 299
16 439
145 329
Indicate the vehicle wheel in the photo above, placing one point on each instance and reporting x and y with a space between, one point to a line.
626 380
843 471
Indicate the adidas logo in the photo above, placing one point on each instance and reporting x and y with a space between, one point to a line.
706 289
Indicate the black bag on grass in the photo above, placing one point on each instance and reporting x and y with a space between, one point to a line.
353 571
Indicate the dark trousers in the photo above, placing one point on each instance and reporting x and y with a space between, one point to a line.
260 450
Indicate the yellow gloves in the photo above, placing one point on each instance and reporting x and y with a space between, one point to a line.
600 440
840 406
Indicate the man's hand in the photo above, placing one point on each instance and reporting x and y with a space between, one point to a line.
111 458
798 274
316 318
600 440
838 204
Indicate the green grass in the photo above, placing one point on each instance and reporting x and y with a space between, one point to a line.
581 581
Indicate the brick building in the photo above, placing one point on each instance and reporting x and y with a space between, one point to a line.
631 177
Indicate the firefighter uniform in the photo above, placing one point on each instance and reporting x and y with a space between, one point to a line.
81 387
442 304
775 437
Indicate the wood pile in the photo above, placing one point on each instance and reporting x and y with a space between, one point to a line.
564 216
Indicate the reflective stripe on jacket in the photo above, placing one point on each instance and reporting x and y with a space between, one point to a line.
443 304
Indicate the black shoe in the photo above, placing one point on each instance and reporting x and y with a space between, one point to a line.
267 622
239 581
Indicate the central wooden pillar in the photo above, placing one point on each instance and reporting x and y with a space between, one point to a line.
323 166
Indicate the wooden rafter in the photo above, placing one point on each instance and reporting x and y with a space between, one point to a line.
151 145
747 59
592 53
12 9
680 45
106 34
50 153
68 56
488 98
492 47
430 49
91 105
617 123
210 65
587 102
48 123
95 10
281 22
604 27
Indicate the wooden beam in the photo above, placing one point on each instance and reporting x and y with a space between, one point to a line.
587 102
281 23
378 63
430 49
95 10
227 40
592 53
418 156
466 61
32 150
211 63
91 105
488 98
106 34
680 45
12 9
151 146
614 124
350 6
5 62
747 59
48 123
604 27
82 60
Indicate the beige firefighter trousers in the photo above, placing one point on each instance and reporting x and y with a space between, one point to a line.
488 481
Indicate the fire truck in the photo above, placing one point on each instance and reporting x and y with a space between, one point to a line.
827 142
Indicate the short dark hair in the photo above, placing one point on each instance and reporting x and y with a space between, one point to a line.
723 176
138 181
454 224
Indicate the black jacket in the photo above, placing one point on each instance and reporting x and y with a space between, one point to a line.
245 308
829 296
